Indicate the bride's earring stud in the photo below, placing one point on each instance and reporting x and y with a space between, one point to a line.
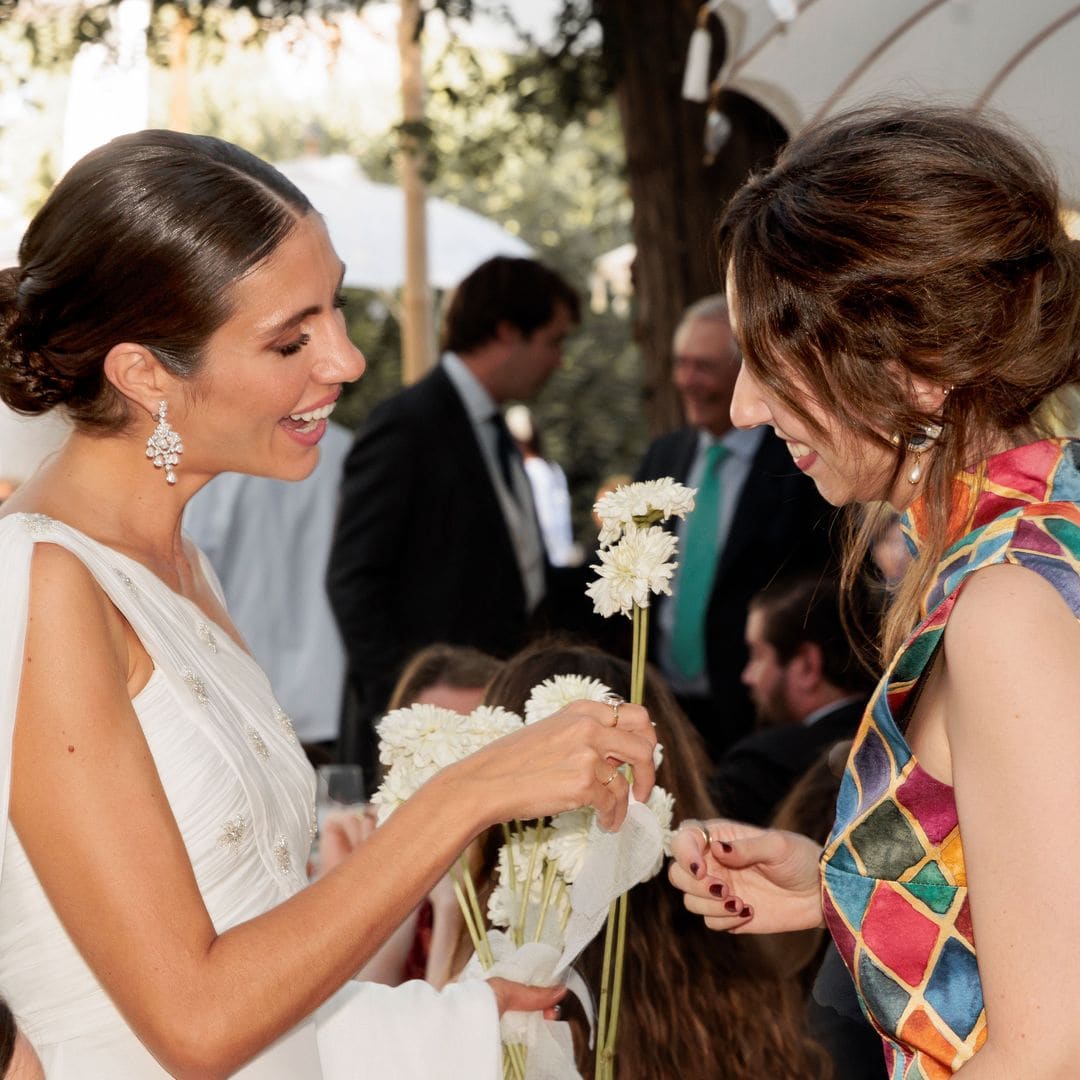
164 446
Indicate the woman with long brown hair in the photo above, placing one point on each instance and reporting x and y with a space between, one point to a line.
693 1006
907 301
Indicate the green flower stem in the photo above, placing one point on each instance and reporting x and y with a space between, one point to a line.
616 991
550 870
474 936
605 990
639 652
566 906
523 910
611 985
477 913
513 1061
508 841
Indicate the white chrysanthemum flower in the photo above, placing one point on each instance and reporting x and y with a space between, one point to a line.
500 909
400 783
631 571
557 692
662 805
504 904
485 724
569 842
402 731
643 503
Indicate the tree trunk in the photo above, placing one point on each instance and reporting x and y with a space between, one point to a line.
676 197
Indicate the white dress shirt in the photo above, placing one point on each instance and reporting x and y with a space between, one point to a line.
269 542
518 510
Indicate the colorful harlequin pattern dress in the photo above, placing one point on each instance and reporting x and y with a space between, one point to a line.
893 883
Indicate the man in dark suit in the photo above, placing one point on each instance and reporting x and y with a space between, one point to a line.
809 691
437 538
757 516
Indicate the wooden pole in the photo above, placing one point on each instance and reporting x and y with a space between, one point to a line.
416 326
180 73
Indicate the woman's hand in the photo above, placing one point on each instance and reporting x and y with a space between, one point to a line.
568 760
342 832
761 881
516 997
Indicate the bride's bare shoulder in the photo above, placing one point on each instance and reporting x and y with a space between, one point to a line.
68 610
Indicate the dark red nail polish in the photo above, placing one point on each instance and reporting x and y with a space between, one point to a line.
745 913
717 889
731 906
694 868
724 846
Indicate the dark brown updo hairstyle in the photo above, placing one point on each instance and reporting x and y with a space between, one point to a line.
8 1034
895 242
140 241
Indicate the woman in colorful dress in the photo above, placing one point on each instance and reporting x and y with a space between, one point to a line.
907 302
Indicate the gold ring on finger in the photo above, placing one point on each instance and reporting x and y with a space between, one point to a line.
614 773
614 701
691 824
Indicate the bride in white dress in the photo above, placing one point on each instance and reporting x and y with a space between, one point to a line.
154 914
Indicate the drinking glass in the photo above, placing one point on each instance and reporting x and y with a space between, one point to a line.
340 787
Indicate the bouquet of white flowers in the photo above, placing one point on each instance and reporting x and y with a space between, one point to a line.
556 878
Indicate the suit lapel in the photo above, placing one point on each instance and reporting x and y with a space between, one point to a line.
759 498
463 444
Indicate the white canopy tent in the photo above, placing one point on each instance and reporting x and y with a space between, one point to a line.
366 221
825 56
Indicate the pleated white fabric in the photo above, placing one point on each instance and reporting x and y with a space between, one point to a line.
243 795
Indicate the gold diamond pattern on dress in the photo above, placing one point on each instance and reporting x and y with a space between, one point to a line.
258 744
126 581
196 686
285 720
206 635
232 832
282 856
37 524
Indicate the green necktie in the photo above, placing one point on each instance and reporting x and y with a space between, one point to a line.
699 556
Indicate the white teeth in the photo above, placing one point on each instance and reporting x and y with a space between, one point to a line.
798 449
315 414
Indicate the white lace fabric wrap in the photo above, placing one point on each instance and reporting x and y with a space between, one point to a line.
615 863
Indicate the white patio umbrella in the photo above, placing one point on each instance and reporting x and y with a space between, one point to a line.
1016 57
10 236
366 221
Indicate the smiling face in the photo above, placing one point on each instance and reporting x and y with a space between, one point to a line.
272 373
846 466
705 365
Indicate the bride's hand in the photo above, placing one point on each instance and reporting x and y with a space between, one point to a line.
760 881
516 997
568 760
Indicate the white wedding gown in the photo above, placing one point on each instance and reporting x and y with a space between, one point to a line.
242 793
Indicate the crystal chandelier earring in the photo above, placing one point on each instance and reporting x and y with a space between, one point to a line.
164 446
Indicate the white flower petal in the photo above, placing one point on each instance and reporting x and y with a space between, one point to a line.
634 569
559 691
642 503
